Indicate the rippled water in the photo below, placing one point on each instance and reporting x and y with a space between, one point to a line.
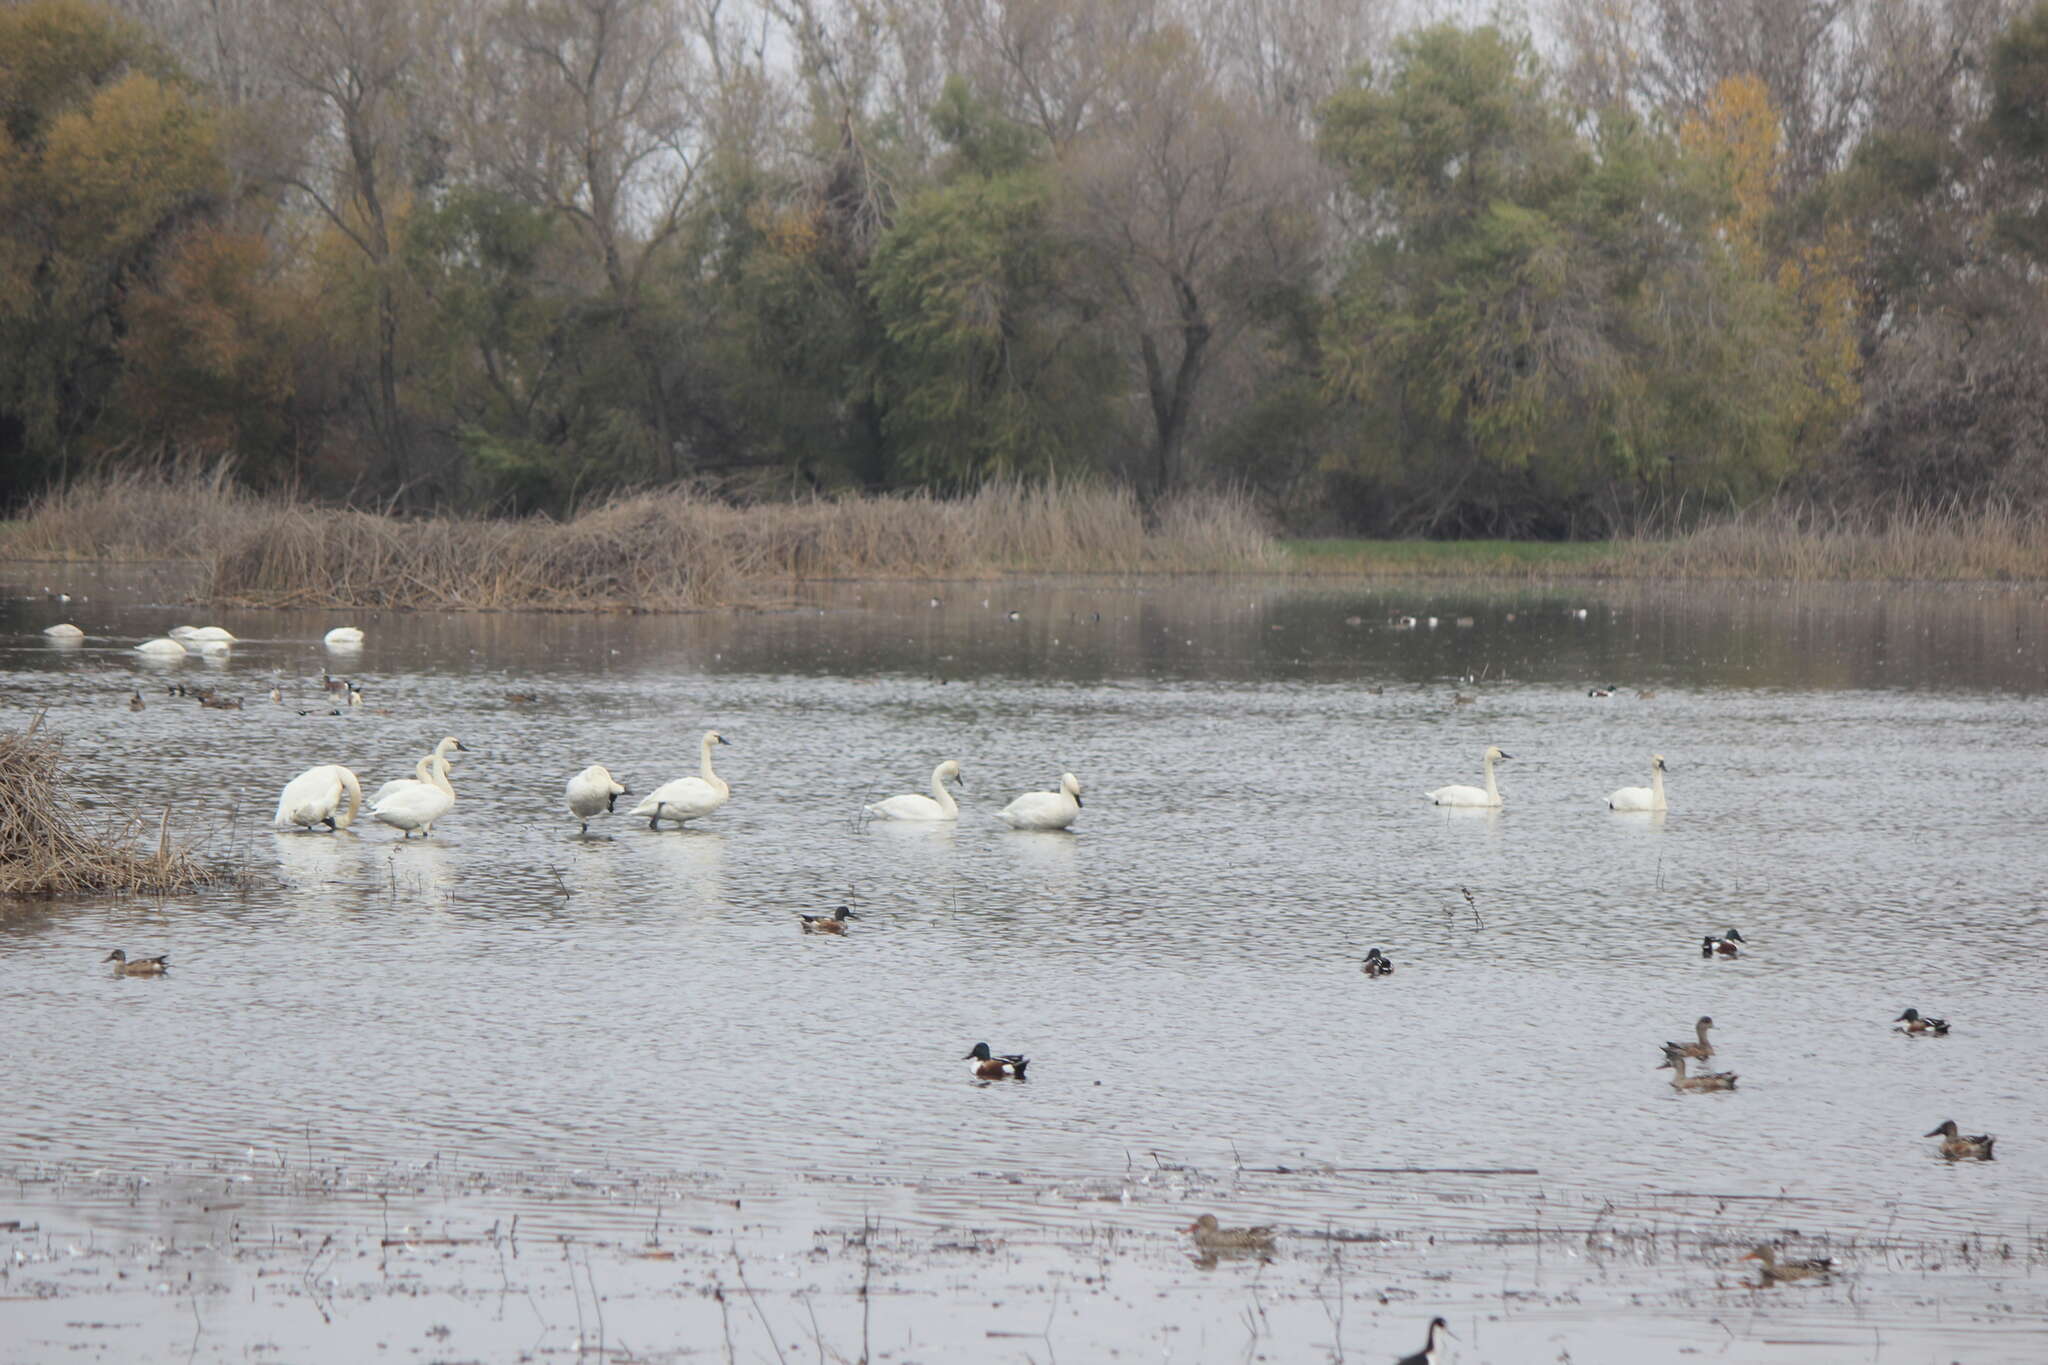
1855 782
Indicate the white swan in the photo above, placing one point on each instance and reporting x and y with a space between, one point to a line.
591 791
1489 795
423 773
417 805
341 637
914 806
314 795
1642 798
1045 810
64 632
686 798
166 646
209 633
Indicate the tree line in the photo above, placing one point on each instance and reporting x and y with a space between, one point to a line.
1629 266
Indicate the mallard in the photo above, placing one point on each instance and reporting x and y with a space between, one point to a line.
1432 1352
1699 1051
994 1066
1774 1271
1956 1147
332 683
141 966
1377 965
1915 1022
834 923
1712 1080
1212 1236
1724 946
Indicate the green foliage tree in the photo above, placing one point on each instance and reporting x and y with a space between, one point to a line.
105 156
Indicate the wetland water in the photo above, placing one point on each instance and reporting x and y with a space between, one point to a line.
507 1093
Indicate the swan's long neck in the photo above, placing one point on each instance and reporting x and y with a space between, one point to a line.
439 777
1492 791
1657 795
355 798
940 794
704 765
423 771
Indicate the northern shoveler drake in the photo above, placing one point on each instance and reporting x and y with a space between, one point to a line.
1606 691
992 1066
834 923
1376 964
1432 1352
1774 1271
1212 1236
141 966
1699 1051
1712 1080
1956 1147
1915 1022
1724 946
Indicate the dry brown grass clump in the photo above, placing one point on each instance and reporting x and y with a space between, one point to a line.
1995 542
677 549
169 511
45 848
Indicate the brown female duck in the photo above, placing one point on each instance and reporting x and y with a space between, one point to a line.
1956 1147
1712 1080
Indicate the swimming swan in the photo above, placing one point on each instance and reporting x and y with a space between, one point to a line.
1642 798
205 633
417 805
423 773
164 646
1489 795
341 637
1045 810
591 791
687 798
914 806
314 795
64 632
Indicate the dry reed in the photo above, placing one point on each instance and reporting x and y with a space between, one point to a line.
676 549
176 510
1994 542
45 848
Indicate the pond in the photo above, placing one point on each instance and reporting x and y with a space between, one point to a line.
509 1091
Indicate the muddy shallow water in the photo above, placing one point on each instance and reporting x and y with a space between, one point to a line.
313 1138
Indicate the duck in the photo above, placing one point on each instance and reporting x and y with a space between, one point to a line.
993 1066
415 804
1649 798
1376 964
1212 1236
277 696
135 701
1432 1352
141 966
688 798
1045 810
1699 1051
1489 795
219 703
1917 1023
916 806
1724 946
1774 1271
1606 691
1956 1147
332 683
1712 1080
1462 699
313 797
834 923
594 790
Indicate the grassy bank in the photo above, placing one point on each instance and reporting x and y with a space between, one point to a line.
46 848
679 549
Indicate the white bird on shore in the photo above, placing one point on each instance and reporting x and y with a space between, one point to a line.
314 795
1045 810
342 637
164 647
64 632
687 798
416 805
914 806
1642 798
1489 795
591 791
